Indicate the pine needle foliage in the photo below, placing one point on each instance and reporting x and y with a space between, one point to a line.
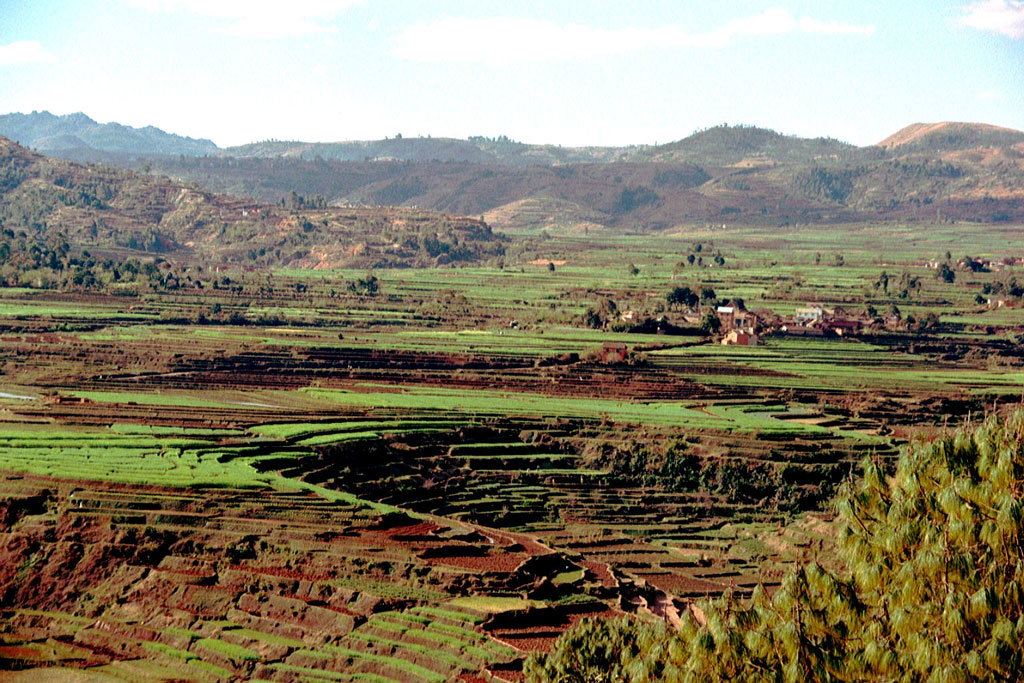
932 588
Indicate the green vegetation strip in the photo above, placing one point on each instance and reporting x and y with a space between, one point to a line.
228 649
448 614
160 648
269 638
432 653
401 664
322 674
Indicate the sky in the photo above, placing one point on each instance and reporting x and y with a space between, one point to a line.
600 72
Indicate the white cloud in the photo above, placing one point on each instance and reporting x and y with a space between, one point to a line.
1005 17
989 96
501 41
258 18
24 52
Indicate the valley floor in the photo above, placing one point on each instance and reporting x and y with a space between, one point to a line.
284 478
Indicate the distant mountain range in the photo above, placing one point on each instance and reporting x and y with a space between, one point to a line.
78 136
724 174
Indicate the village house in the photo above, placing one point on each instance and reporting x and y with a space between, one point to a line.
691 318
1000 302
613 352
809 314
726 316
765 318
844 327
802 330
746 319
740 338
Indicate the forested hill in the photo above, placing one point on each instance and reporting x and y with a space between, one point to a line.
477 149
730 145
48 203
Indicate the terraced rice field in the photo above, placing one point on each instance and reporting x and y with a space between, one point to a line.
228 604
281 479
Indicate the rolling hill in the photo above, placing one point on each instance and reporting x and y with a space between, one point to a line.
950 136
745 182
477 150
121 214
725 174
745 145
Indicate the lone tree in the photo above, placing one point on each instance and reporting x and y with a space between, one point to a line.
931 588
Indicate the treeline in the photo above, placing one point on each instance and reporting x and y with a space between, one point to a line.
51 263
676 465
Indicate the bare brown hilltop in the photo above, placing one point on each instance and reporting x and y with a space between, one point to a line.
951 135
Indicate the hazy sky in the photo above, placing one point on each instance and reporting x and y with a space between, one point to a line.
594 72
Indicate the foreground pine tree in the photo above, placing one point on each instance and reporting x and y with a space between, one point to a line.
932 588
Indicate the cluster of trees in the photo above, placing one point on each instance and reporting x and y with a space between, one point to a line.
633 198
971 264
830 184
501 139
928 585
697 253
51 263
600 315
684 296
1010 287
365 286
296 202
907 286
946 273
928 168
604 313
673 465
904 288
707 299
439 242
